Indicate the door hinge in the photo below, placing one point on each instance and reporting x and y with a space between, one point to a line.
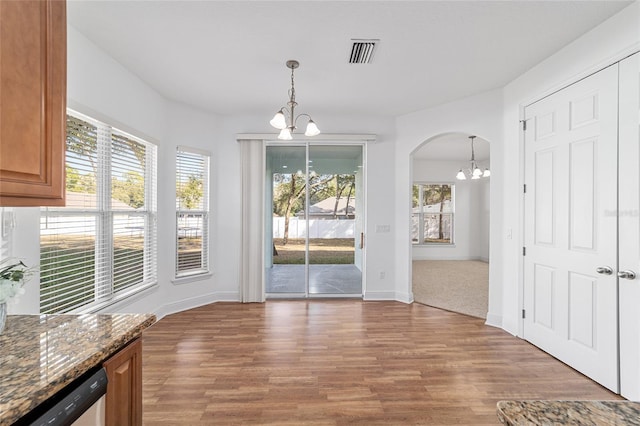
523 314
524 125
524 251
524 188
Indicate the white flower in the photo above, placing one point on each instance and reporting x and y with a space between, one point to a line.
9 289
13 275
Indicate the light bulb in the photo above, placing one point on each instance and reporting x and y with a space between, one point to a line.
285 134
278 121
475 177
477 172
486 173
460 175
312 129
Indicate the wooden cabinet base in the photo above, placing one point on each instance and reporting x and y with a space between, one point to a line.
124 390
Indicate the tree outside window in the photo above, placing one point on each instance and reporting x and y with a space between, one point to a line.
432 213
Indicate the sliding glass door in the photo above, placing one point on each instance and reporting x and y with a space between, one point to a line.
314 228
285 228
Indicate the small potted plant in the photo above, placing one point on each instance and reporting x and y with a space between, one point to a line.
13 275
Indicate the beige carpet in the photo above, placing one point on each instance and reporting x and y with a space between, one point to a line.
455 285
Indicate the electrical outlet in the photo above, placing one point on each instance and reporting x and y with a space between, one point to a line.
383 275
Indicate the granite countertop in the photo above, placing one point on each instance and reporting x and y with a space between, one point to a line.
41 354
569 413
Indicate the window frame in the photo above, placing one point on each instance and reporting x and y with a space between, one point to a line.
105 291
421 215
194 274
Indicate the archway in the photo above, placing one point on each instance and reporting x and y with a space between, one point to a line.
450 224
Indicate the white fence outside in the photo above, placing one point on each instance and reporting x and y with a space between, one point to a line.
318 228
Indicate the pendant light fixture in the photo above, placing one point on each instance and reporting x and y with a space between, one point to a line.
474 171
287 124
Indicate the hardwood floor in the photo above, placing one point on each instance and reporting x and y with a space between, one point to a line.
323 362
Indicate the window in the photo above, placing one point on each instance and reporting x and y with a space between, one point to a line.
102 246
192 212
432 214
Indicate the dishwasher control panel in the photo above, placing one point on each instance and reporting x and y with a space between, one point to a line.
76 400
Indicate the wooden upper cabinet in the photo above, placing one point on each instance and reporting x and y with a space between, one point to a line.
33 86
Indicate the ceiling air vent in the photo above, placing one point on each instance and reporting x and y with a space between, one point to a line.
362 51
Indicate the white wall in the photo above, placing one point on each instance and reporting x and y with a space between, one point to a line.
471 221
479 115
186 126
379 193
480 230
605 44
182 125
100 87
103 89
495 116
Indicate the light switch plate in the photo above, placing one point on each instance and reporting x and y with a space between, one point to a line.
6 223
382 228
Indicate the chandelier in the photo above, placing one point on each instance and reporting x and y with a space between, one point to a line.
287 125
474 171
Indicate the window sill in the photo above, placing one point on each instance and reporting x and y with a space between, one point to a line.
134 294
192 278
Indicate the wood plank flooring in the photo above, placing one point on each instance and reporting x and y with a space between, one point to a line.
322 362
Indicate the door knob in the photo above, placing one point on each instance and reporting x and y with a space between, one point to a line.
628 274
606 270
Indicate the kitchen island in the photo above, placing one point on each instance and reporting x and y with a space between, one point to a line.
41 354
597 413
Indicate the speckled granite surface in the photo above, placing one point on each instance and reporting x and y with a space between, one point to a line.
582 413
41 354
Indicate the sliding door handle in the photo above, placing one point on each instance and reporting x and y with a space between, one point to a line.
361 240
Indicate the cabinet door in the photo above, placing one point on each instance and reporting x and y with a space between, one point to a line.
32 102
124 388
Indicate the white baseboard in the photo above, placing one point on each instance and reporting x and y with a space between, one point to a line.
494 320
195 302
388 295
379 295
404 297
510 325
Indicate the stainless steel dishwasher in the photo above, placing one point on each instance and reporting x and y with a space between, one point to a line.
81 403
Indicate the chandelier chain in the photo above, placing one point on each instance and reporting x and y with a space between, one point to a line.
292 92
473 156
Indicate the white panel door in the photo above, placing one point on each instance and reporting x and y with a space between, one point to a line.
629 220
571 226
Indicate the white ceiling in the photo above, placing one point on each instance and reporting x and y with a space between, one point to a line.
228 57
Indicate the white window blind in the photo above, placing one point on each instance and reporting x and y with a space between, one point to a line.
101 247
192 212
